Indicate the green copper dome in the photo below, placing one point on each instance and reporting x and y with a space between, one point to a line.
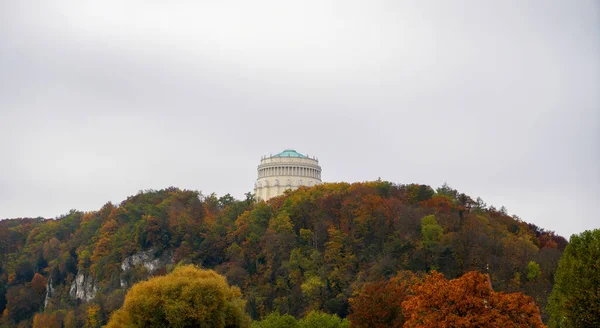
290 153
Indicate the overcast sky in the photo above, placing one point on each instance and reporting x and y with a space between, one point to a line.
500 99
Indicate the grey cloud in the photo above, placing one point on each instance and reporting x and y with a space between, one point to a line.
500 100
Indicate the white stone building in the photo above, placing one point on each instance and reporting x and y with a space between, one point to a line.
286 170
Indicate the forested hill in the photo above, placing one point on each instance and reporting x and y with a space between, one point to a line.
308 249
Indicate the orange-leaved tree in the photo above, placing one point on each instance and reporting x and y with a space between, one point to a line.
379 304
468 301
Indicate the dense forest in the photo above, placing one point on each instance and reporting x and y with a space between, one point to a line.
309 250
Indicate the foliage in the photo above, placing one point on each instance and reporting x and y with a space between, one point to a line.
49 320
22 303
317 319
187 297
575 299
379 304
314 319
310 249
431 231
38 284
276 320
93 316
468 301
533 271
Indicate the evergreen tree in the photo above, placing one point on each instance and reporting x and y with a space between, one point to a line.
575 298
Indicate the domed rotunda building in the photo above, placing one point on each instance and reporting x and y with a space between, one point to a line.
286 170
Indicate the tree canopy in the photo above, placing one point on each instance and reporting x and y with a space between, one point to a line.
409 300
311 249
379 304
314 319
575 298
468 301
187 297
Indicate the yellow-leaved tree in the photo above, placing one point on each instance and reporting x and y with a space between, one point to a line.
187 297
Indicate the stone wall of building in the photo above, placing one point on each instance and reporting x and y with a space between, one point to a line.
287 170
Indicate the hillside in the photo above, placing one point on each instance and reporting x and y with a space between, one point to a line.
309 249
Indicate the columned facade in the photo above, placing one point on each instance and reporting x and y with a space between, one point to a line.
286 170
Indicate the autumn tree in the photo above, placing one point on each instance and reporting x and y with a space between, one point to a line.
312 290
155 233
416 193
38 283
468 301
187 297
379 304
103 244
70 321
49 320
93 316
22 303
575 298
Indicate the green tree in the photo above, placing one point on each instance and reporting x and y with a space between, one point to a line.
446 191
431 231
187 297
575 298
312 290
276 320
317 319
533 271
281 223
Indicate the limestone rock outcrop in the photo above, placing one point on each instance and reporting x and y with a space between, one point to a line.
83 287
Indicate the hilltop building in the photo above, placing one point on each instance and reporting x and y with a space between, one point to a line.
286 170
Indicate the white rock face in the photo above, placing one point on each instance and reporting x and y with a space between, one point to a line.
49 292
147 259
83 287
